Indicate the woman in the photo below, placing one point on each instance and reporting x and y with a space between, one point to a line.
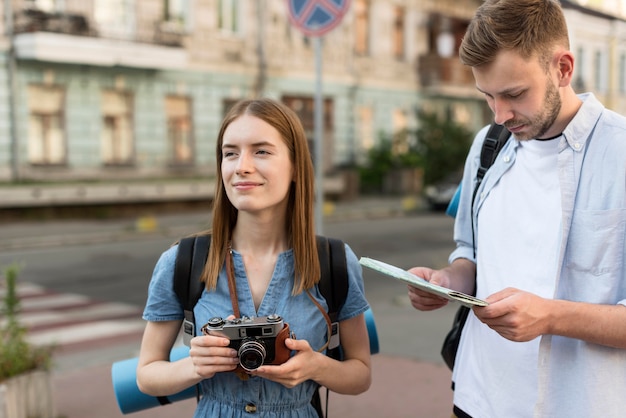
263 229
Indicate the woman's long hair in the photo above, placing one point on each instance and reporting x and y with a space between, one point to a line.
300 225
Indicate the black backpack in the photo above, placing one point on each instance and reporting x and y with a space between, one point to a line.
333 285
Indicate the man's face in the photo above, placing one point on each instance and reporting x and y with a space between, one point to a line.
522 95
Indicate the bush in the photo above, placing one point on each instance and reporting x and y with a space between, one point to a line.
443 145
391 153
17 356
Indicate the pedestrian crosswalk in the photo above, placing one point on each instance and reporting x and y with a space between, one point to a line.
70 321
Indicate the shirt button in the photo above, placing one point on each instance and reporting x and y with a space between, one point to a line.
577 145
250 408
507 159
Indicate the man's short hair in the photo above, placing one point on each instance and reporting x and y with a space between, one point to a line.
528 27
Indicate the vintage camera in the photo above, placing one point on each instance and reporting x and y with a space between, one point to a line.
258 340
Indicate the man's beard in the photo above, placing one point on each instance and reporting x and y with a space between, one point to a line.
542 122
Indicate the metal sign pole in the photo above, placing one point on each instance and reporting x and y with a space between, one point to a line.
319 138
315 18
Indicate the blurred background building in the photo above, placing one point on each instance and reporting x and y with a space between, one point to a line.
135 90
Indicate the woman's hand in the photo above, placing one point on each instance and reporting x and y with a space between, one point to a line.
294 371
211 354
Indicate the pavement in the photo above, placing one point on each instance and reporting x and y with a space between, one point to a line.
81 379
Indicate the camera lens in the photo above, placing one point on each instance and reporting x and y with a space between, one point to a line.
251 355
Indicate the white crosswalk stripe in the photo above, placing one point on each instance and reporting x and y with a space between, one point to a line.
69 320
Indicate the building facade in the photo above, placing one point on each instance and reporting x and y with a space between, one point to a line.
98 90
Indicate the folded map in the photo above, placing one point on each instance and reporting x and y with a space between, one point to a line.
420 283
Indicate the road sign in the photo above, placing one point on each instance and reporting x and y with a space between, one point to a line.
317 17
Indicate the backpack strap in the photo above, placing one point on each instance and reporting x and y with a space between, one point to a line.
190 261
496 137
493 143
333 284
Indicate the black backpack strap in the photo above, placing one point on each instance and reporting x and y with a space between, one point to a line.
493 143
496 137
190 262
333 284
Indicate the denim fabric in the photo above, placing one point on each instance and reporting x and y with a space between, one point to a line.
225 395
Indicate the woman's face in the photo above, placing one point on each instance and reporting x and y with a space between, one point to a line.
256 168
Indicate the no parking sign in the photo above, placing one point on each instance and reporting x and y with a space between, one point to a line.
316 17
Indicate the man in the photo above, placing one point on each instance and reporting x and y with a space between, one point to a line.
545 243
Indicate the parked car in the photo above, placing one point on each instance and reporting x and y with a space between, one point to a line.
439 196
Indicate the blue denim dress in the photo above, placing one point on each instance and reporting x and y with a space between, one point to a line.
225 394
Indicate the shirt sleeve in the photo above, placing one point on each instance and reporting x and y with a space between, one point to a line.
162 303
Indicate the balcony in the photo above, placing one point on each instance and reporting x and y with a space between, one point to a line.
69 38
62 48
33 20
436 72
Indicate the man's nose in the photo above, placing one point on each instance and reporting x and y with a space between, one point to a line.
502 111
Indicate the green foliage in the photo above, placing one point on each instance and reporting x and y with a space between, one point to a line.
17 356
439 146
443 145
391 153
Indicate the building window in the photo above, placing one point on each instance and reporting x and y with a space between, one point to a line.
227 104
398 33
46 132
117 130
45 5
600 72
228 16
115 18
365 126
579 80
179 129
175 10
304 107
622 73
361 27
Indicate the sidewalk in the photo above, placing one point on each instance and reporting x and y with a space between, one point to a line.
401 388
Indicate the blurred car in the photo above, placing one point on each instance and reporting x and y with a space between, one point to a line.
438 196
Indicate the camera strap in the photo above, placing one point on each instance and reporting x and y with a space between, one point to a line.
232 284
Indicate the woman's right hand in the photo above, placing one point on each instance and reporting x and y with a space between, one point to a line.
211 354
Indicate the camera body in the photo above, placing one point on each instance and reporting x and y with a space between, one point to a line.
258 340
